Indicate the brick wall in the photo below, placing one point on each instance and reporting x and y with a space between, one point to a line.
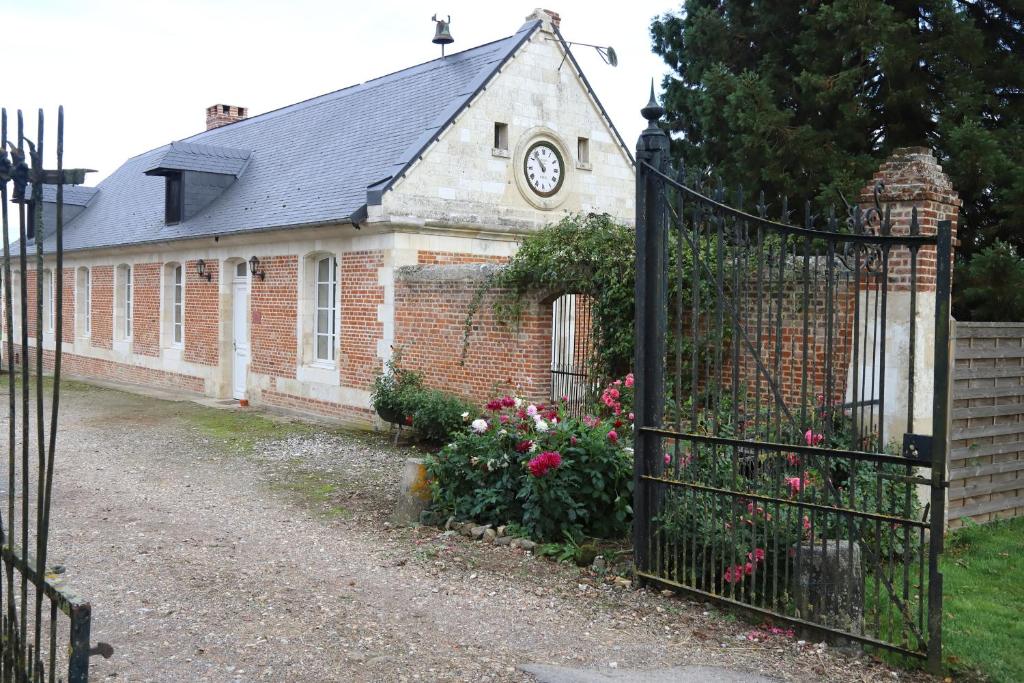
431 304
273 315
30 290
146 309
202 314
361 296
102 305
96 368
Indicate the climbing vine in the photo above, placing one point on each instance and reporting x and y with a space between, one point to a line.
592 255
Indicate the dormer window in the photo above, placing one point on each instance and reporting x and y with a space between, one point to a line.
173 197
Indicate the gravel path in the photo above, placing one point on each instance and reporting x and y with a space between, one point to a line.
223 558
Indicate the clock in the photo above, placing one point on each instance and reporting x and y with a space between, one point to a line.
543 169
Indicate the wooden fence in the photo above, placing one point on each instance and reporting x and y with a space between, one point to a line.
986 458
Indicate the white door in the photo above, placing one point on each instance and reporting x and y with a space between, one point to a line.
240 312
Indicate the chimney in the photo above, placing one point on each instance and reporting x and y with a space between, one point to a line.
551 18
222 114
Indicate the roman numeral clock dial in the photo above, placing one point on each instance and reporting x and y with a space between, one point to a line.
544 169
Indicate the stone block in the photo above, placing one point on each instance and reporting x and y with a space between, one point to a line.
413 493
828 585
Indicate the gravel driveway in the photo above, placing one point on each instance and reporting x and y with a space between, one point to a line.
219 545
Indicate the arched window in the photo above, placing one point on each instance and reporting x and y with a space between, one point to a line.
174 304
123 302
83 303
326 298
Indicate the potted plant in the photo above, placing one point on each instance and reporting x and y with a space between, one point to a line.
391 390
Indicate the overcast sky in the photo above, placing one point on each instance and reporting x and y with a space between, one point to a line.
135 74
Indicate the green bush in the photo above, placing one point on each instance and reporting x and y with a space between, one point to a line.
399 396
533 466
436 415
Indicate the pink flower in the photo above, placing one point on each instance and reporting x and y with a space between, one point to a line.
807 523
629 381
613 436
494 405
748 568
757 555
731 574
794 484
543 463
668 459
632 417
572 440
793 459
504 419
812 438
614 393
590 421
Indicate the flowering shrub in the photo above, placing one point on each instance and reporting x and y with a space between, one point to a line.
399 397
536 466
746 544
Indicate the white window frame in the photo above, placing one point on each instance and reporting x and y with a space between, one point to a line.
178 306
129 302
83 302
48 308
328 304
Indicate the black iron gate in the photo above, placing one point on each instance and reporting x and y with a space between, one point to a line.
572 381
777 465
32 597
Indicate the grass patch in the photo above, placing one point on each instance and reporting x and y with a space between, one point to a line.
238 430
983 620
314 490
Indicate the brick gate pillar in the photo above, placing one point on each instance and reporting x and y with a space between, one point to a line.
911 178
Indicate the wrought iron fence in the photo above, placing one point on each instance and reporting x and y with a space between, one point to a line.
32 595
572 381
776 470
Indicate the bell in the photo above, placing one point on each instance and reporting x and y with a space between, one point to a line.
442 32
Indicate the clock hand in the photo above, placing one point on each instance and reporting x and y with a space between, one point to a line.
543 168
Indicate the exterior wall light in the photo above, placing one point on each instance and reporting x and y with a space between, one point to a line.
254 268
201 270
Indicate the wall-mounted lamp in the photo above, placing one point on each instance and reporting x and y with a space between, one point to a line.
201 270
254 268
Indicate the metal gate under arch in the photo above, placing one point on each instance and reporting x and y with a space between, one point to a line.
773 472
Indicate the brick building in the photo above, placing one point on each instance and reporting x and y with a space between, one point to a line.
279 258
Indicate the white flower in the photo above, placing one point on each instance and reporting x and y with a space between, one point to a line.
479 425
628 451
465 416
541 425
519 402
534 448
554 420
502 432
531 409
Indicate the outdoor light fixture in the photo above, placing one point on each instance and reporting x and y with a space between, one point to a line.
201 270
254 268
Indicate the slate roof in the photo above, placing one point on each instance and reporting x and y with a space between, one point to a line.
311 162
76 195
193 156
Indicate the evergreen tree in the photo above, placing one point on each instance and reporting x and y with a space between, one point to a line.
806 98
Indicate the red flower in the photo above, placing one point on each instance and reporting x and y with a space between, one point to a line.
543 463
572 440
521 414
504 419
618 423
408 420
523 446
793 459
613 436
507 401
552 415
494 405
757 555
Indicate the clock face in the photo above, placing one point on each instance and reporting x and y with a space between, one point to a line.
544 169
